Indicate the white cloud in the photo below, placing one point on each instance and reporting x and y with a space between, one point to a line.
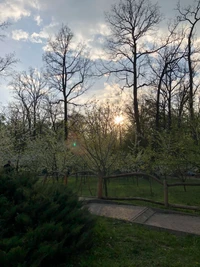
35 38
16 9
38 37
96 52
100 28
38 20
112 93
50 29
33 3
20 35
13 9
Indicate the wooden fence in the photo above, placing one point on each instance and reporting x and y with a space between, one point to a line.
103 184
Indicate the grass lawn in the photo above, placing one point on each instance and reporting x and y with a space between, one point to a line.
123 244
130 187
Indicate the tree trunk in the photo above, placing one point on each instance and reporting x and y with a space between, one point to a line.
169 103
135 98
158 98
65 119
191 72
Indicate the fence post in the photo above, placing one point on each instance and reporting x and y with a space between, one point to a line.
66 178
100 187
45 178
165 193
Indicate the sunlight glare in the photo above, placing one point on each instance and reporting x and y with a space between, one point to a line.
119 119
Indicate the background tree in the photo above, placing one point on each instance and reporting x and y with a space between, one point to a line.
49 152
98 142
6 143
168 75
68 69
131 22
191 16
30 89
8 60
54 112
17 128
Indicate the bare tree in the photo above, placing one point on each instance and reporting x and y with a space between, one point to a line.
54 113
131 21
191 16
8 60
168 74
30 89
68 69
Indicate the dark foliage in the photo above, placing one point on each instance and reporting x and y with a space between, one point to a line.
40 226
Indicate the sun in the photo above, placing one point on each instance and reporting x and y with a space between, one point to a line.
119 119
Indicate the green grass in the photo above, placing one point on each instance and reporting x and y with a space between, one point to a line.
123 244
84 186
129 187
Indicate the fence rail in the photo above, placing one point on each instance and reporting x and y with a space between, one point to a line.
183 184
102 184
86 183
134 174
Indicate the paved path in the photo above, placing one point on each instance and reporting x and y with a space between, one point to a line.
156 218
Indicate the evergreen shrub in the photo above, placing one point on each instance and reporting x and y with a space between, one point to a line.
41 226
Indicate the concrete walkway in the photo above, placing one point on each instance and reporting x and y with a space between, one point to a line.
175 222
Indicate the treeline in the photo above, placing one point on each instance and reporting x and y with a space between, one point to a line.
45 127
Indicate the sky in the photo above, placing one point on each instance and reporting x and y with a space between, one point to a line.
33 21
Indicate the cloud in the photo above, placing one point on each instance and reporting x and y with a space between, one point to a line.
33 3
85 18
20 35
110 92
17 9
36 38
38 20
13 9
87 26
49 29
114 94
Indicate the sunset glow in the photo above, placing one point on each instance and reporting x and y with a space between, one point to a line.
119 119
